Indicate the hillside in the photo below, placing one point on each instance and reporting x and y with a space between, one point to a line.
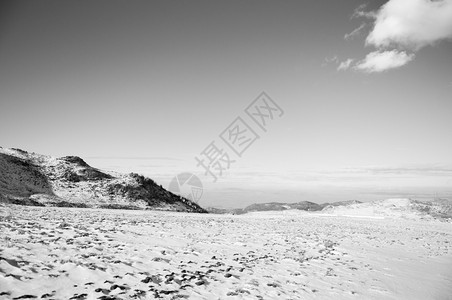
40 180
398 207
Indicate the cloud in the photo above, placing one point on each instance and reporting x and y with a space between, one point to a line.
355 32
379 61
359 12
330 60
411 24
400 28
427 171
345 64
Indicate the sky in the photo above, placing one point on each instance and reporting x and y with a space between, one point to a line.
364 91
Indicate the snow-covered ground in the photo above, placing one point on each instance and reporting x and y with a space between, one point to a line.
70 253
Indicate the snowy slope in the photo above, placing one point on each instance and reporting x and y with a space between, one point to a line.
398 208
35 179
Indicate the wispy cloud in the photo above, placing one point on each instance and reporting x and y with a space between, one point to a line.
400 28
380 61
360 12
330 60
426 171
345 64
355 32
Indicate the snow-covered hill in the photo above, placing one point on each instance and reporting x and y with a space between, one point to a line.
398 207
35 179
389 208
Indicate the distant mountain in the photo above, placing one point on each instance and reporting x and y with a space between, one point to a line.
404 208
280 206
303 205
34 179
233 211
340 203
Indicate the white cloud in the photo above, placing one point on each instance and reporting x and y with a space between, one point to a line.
379 61
345 64
355 32
400 28
411 24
